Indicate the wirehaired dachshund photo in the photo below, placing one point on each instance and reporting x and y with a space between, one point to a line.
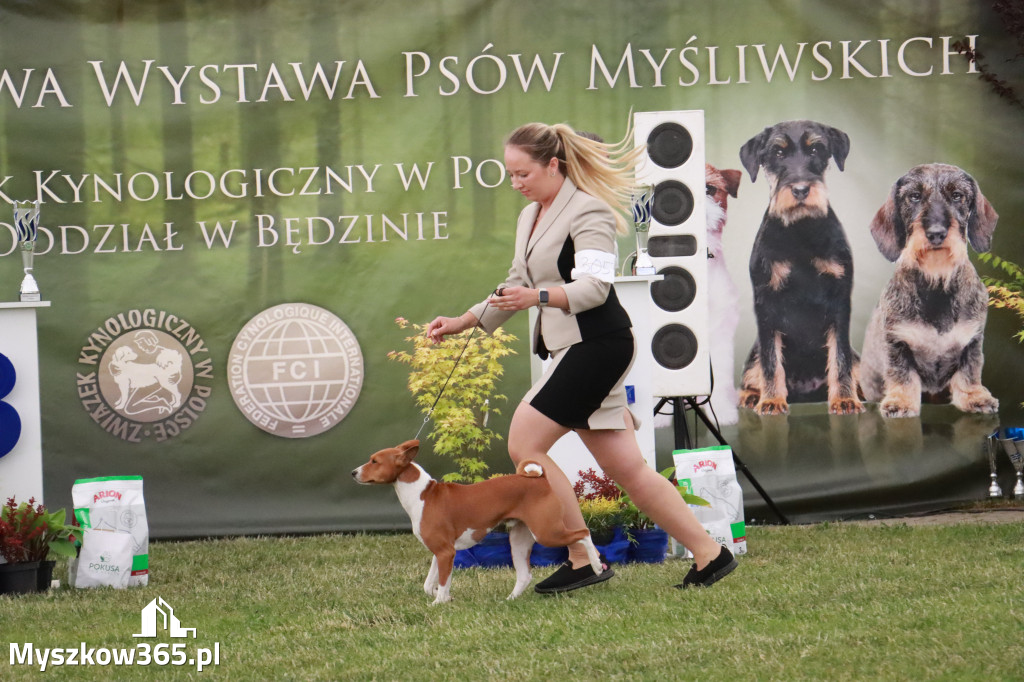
801 269
924 340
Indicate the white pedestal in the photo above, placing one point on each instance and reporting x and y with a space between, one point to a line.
569 452
21 469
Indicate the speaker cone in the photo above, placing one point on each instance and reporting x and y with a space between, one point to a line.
669 145
674 346
673 203
676 292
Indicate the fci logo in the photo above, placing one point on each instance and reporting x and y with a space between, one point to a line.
295 370
158 611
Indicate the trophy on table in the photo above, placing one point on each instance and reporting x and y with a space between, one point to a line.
990 447
1014 448
642 199
26 222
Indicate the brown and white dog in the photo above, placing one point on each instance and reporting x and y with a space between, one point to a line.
724 314
925 336
450 516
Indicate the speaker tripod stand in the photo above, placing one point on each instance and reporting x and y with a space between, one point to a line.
682 441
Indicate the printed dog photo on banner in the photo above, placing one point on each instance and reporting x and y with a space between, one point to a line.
801 270
725 313
924 340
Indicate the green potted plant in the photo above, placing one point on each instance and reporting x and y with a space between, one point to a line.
602 516
598 497
25 536
56 540
29 536
18 530
459 417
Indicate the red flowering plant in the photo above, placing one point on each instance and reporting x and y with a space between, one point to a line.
598 497
592 485
598 486
28 532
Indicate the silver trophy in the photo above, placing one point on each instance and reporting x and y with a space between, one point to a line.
642 199
993 487
1015 451
26 222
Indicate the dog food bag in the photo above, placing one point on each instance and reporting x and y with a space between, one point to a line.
106 560
710 473
115 503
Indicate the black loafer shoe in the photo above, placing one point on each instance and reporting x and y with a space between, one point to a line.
721 566
567 578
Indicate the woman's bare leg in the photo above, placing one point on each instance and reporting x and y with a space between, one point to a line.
530 436
618 454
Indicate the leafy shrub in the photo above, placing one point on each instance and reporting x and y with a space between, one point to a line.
459 419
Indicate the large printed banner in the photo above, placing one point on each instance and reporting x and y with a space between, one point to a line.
238 199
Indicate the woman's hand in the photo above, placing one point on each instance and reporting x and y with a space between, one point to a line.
445 326
514 298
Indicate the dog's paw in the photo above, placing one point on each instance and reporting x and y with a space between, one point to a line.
892 407
848 405
978 400
749 398
770 406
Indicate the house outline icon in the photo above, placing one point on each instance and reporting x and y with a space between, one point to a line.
166 613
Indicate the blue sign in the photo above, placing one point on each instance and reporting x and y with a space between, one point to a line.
10 422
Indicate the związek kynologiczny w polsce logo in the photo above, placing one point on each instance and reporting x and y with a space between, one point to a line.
147 374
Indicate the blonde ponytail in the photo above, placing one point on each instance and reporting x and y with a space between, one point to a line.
601 169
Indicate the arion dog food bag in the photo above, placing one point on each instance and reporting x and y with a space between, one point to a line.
710 473
105 560
116 503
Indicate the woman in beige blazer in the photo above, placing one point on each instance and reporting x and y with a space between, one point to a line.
564 264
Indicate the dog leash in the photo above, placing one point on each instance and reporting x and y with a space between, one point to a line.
430 412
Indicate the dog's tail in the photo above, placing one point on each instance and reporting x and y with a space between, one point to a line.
530 469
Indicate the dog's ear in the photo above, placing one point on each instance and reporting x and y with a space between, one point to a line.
887 227
982 222
750 153
839 145
732 181
409 449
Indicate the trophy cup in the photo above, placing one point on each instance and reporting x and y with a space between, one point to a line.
990 446
1015 451
642 223
26 222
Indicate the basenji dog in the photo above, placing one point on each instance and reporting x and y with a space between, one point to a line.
450 516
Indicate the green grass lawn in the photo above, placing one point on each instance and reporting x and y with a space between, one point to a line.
823 602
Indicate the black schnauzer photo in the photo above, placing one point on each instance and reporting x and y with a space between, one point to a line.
801 269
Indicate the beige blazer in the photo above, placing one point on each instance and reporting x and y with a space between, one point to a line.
575 222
